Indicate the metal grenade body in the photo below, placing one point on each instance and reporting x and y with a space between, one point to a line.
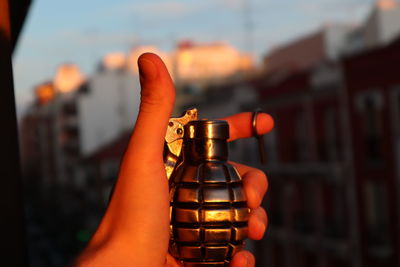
209 211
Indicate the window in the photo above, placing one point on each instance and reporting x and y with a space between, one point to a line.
376 211
303 204
372 138
334 199
331 135
369 105
302 152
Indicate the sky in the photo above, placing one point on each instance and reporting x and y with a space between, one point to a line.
83 31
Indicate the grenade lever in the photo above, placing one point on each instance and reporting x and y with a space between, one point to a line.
174 140
259 137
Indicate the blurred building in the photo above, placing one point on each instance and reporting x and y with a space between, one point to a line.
333 155
71 117
49 130
52 171
196 66
373 99
109 103
381 27
204 62
332 158
328 43
68 78
311 202
102 166
193 62
334 198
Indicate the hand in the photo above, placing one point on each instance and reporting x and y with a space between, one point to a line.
135 228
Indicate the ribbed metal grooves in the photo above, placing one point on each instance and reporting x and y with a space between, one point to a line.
208 214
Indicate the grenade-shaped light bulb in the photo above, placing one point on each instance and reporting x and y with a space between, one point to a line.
208 206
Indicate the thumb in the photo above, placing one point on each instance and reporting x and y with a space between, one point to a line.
138 213
157 101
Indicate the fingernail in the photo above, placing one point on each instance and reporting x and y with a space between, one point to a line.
147 69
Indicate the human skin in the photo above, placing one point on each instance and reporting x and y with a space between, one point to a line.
134 230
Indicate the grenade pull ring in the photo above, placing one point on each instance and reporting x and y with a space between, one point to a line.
259 137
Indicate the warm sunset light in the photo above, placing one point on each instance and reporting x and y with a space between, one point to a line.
45 93
115 60
208 61
137 51
309 92
68 78
192 61
386 4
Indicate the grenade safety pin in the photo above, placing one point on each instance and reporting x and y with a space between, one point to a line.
208 207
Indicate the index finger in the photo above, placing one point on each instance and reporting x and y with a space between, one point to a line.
240 125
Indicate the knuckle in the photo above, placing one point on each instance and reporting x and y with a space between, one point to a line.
261 215
151 101
262 212
151 97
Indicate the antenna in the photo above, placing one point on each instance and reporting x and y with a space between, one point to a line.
248 26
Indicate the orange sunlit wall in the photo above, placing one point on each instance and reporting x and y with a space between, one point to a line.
44 93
